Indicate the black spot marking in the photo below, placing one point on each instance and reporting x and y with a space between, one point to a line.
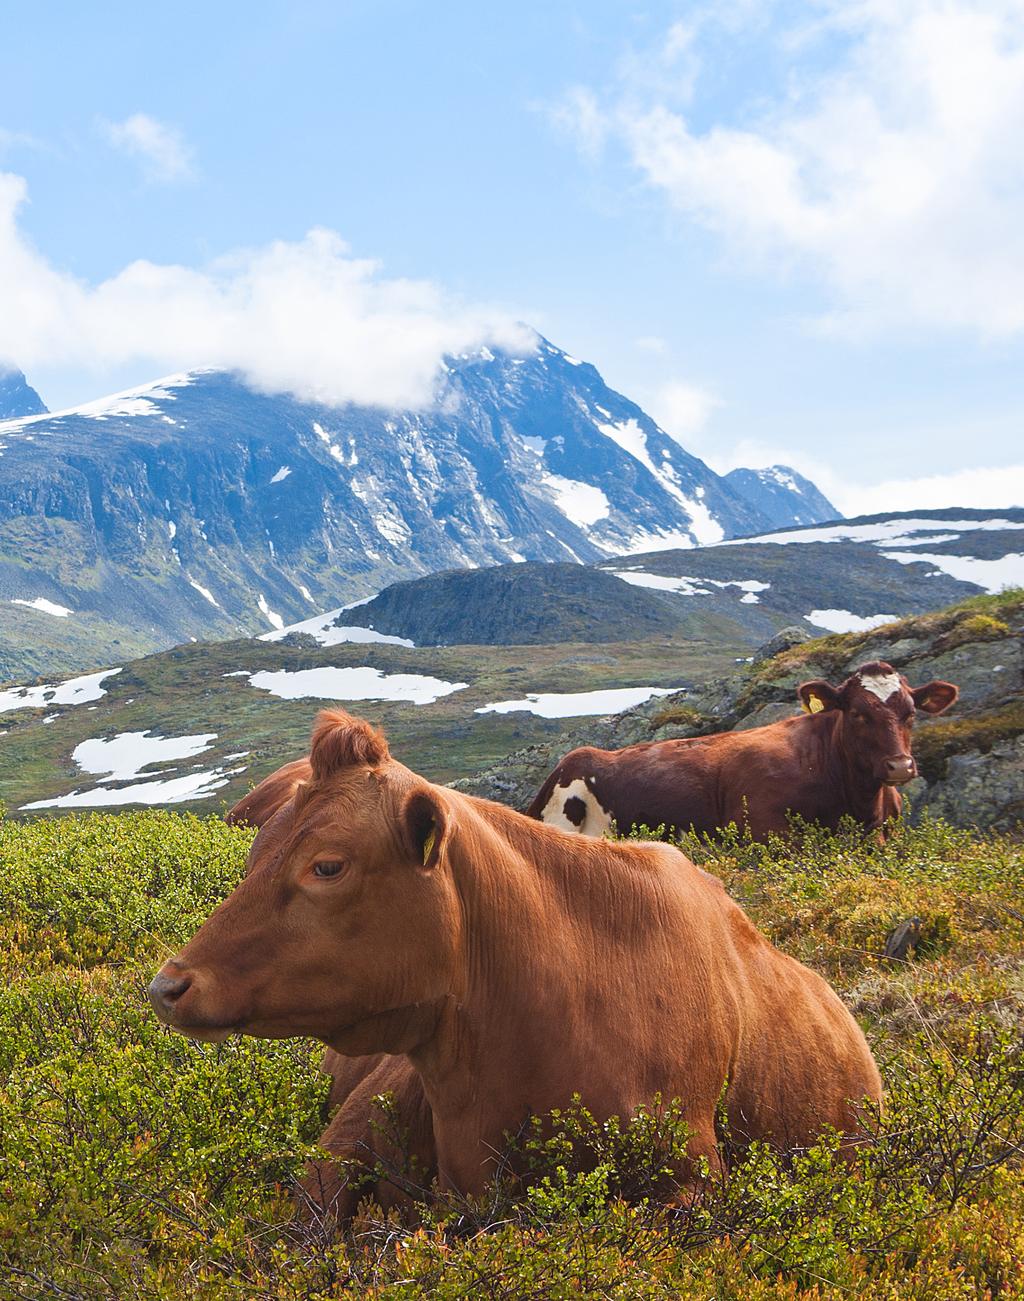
575 810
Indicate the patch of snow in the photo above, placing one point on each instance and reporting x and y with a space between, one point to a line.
581 503
662 583
307 594
242 673
333 447
44 606
173 790
73 691
327 633
204 591
573 361
363 683
282 474
929 539
271 615
992 575
533 443
577 704
140 401
684 586
663 540
886 531
844 621
172 529
122 757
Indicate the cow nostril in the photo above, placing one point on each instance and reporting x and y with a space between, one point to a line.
164 991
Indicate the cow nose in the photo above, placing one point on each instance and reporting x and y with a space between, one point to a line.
900 769
165 990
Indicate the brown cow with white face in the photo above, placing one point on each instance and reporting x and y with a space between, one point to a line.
844 758
511 966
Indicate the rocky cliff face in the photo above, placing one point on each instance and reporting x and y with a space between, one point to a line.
198 508
971 760
17 397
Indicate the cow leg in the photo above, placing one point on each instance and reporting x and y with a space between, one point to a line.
385 1155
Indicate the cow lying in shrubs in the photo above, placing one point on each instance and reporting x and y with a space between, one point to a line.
844 757
503 967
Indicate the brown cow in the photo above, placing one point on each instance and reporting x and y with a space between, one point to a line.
843 758
512 966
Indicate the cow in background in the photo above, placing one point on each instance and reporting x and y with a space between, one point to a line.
844 757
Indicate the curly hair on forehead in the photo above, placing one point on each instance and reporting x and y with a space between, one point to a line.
340 741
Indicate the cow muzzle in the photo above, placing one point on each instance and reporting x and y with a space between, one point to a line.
898 771
167 991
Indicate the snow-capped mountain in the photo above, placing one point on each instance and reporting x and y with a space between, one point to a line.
17 397
782 495
196 507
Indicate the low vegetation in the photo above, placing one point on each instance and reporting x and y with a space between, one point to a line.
136 1164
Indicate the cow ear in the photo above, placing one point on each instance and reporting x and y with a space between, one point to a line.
817 696
426 827
935 697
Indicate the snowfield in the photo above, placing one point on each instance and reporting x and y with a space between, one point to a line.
578 704
361 683
73 691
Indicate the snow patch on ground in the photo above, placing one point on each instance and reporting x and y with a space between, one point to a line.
271 616
73 691
992 575
577 704
844 621
581 503
122 757
173 790
44 606
886 531
328 633
683 586
363 683
204 591
282 474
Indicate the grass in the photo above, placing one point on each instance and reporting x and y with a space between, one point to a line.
134 1164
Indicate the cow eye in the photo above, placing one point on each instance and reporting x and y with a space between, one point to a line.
325 868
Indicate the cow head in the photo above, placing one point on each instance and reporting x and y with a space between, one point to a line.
877 707
346 924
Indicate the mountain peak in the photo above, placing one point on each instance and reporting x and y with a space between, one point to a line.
18 397
781 493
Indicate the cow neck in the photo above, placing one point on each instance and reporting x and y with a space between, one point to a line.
862 795
537 958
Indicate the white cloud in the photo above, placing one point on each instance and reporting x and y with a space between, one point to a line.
983 488
682 409
304 317
887 162
652 343
161 149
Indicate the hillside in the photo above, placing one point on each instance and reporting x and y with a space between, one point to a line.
524 604
841 578
198 508
199 724
971 760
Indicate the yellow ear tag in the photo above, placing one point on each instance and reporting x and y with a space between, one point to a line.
428 845
814 705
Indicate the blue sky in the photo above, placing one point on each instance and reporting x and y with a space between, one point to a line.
789 230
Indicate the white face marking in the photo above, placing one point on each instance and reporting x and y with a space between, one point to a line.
596 820
881 685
